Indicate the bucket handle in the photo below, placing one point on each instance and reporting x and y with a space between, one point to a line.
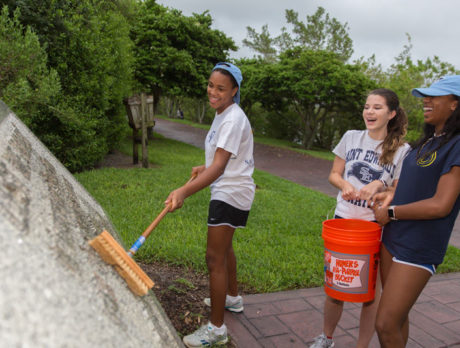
329 211
333 208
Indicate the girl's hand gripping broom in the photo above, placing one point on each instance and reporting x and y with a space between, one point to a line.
112 253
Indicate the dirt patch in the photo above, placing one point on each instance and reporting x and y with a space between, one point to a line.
181 292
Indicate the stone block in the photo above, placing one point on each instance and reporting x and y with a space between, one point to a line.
56 291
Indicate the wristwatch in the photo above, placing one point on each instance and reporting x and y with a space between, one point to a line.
391 212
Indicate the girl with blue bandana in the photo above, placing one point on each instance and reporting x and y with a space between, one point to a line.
228 171
423 210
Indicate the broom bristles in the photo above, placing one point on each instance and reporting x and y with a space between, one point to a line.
112 253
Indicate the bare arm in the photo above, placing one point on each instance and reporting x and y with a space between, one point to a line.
435 207
337 180
384 198
197 170
206 176
369 190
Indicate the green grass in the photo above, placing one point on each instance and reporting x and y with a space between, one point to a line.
281 247
451 261
324 154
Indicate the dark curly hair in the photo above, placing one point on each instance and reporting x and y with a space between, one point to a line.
450 130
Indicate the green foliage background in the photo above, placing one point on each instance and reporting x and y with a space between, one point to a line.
66 67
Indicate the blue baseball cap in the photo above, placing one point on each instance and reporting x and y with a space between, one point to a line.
236 73
446 85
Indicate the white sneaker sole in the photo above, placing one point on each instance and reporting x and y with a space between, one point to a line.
220 343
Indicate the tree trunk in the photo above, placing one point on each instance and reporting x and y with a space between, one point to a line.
201 110
156 93
308 136
309 129
312 124
156 100
171 106
145 156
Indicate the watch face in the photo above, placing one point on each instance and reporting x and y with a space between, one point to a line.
391 213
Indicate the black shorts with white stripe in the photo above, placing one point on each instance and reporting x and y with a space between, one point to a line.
221 213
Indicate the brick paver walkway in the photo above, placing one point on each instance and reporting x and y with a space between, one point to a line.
292 318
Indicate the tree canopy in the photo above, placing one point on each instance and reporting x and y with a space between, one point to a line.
319 32
175 53
66 66
262 43
88 49
312 84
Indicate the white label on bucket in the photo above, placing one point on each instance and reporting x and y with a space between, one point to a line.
346 272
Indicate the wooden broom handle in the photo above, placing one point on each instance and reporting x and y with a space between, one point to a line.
155 222
160 216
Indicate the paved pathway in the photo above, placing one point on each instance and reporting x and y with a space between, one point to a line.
293 318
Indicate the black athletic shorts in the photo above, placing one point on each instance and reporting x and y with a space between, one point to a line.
221 213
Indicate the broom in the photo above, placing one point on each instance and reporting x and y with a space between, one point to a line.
112 253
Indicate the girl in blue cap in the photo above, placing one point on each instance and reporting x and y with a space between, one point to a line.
228 171
423 210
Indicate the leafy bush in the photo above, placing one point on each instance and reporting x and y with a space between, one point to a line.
33 92
65 69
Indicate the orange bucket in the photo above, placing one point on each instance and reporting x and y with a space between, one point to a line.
351 258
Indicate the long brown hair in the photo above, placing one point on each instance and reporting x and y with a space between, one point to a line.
396 127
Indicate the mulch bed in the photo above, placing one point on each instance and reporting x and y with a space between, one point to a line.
181 292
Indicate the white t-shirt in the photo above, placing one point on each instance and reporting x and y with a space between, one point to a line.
232 132
361 154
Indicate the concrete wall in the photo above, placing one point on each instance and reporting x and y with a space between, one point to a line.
55 291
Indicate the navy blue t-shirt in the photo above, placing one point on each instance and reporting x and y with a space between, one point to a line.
423 241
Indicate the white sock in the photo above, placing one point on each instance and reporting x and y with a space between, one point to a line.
233 299
217 330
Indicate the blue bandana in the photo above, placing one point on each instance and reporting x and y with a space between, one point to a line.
236 73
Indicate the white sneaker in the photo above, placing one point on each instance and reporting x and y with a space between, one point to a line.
232 306
205 337
322 341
